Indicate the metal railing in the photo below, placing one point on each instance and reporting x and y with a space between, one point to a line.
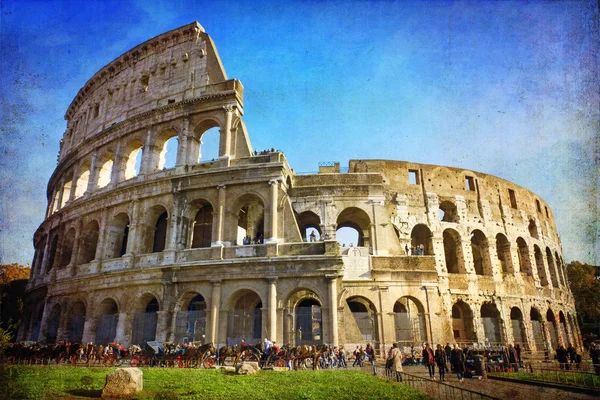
549 372
432 388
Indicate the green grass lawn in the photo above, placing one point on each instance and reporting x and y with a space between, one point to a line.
50 382
573 379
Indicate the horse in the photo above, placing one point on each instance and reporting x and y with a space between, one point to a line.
229 351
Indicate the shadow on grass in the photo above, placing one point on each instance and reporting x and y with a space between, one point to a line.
94 394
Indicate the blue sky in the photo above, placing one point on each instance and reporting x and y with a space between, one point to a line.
506 88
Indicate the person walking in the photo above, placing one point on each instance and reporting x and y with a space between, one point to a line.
440 360
370 351
457 359
395 362
429 360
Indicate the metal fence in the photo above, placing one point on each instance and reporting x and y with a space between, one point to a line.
434 389
190 326
144 328
106 329
563 374
76 328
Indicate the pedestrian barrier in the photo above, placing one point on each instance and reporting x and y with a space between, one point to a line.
551 373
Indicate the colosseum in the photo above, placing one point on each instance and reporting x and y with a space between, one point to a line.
134 248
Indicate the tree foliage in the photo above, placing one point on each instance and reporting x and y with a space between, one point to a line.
585 285
13 272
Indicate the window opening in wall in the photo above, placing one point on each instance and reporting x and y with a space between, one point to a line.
209 145
66 193
447 211
251 224
168 156
547 216
82 182
55 206
171 101
202 231
134 163
96 110
413 176
537 204
105 173
144 82
513 199
469 183
160 233
312 235
347 237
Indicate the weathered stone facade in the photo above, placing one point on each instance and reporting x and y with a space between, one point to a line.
133 254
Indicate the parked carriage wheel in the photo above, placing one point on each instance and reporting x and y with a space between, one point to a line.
208 362
119 361
180 363
134 362
280 362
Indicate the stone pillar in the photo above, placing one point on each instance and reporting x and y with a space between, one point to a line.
45 261
60 194
115 174
120 331
101 237
75 251
182 150
227 134
372 239
220 214
44 323
546 332
174 218
147 155
93 179
273 211
89 326
559 332
162 325
272 302
215 308
74 182
332 299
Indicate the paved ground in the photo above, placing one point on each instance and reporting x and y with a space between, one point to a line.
503 390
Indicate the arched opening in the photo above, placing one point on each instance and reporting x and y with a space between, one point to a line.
106 328
37 316
52 253
563 327
453 252
347 237
88 243
66 190
160 233
552 329
133 159
67 248
209 145
518 327
76 322
523 254
55 204
53 321
357 220
503 251
105 171
202 227
250 221
245 319
308 322
462 323
361 321
117 236
144 321
421 241
560 266
447 211
39 259
191 321
552 267
490 317
81 184
533 231
539 262
168 155
536 329
409 321
480 251
310 226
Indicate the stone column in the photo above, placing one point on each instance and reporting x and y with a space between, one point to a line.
74 182
45 261
147 155
101 236
115 174
162 325
272 302
215 308
174 217
89 326
75 251
182 150
44 323
227 134
132 235
273 211
332 299
220 214
120 331
93 179
61 190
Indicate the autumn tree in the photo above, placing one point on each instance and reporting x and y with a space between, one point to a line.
584 280
13 272
13 278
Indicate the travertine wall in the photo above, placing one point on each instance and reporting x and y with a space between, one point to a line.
159 253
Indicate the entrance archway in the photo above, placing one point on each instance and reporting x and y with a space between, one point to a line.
76 322
191 321
245 319
361 321
462 323
53 321
490 317
409 321
536 328
144 321
106 327
552 329
308 322
518 327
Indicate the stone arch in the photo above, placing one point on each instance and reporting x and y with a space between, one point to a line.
539 338
76 322
107 316
503 252
539 262
117 236
88 242
552 267
203 141
166 141
422 240
304 322
66 253
145 319
360 315
105 168
533 230
462 323
524 258
53 324
409 321
453 251
492 323
52 251
518 327
39 256
552 328
447 212
83 179
66 188
563 327
357 219
132 159
245 317
309 223
481 253
153 237
560 266
201 224
36 321
248 217
190 325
